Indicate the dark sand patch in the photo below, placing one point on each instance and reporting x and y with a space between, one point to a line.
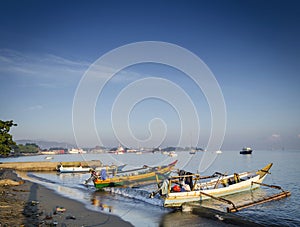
30 204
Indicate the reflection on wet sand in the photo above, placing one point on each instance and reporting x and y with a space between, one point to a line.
96 201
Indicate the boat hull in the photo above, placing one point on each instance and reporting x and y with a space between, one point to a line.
73 170
246 152
176 199
125 181
134 179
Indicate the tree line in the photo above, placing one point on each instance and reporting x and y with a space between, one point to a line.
8 146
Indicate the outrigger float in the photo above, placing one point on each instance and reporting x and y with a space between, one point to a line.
131 177
186 187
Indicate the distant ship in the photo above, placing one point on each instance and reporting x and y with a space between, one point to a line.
120 150
76 151
246 150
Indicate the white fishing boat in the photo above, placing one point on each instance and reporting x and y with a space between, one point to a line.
48 157
219 152
78 169
120 150
186 188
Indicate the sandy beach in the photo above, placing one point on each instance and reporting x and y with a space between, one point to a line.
31 204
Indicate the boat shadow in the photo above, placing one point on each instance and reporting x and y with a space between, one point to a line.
197 215
213 212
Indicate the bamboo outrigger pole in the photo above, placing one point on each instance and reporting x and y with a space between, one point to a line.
220 199
278 196
235 208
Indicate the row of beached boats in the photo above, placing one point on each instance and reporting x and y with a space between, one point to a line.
183 187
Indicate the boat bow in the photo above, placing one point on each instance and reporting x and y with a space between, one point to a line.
264 171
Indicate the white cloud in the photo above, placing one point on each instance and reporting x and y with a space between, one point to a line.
46 65
275 136
55 68
36 107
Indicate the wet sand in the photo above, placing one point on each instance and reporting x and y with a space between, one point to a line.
30 204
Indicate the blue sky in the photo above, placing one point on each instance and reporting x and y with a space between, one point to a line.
252 48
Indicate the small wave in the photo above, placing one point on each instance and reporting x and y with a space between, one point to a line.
31 175
138 194
85 187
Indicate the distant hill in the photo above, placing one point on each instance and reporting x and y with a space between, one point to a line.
46 144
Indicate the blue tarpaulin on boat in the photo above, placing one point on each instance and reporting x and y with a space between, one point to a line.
103 174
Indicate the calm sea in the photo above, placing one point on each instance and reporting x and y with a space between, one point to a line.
133 205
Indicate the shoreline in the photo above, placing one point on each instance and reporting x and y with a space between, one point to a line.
32 204
39 166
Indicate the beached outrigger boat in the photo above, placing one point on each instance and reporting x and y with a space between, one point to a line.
187 187
80 169
130 177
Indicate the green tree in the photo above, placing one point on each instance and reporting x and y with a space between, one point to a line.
27 148
6 141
